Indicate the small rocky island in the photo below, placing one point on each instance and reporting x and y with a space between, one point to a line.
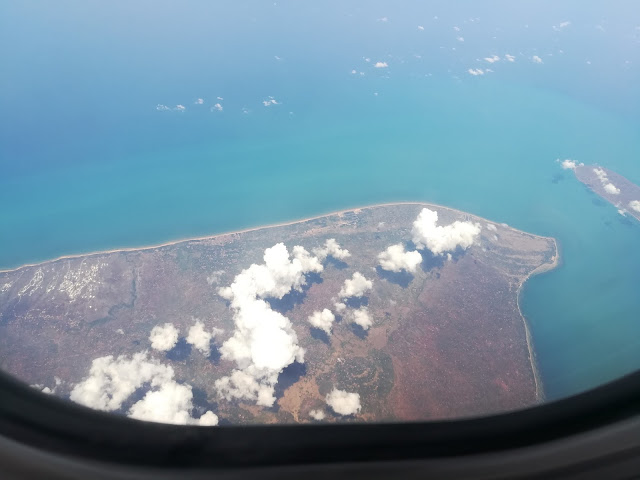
386 313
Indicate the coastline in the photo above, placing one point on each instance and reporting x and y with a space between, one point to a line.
545 267
258 228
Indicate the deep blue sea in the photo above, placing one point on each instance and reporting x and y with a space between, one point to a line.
87 162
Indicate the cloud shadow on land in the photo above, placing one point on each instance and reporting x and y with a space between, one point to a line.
360 332
201 403
290 375
294 297
214 354
319 334
402 278
431 261
180 352
135 397
356 302
334 262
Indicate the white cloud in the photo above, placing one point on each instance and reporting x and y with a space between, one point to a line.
635 205
611 189
460 39
180 108
340 306
492 59
270 101
475 72
263 342
199 101
510 58
316 414
343 403
536 59
568 164
492 227
440 239
360 317
323 320
162 108
354 72
420 27
217 107
601 174
219 98
171 403
381 65
331 248
163 337
561 26
200 338
355 286
112 381
396 259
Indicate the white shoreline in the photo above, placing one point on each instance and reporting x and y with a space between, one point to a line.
251 229
539 389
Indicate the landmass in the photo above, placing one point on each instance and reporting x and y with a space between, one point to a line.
614 188
438 335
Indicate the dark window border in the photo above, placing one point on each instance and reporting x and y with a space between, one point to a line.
46 423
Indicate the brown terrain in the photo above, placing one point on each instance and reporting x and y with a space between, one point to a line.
447 341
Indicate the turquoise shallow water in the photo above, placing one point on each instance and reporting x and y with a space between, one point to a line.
116 173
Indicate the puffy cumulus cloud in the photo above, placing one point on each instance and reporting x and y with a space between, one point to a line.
217 108
162 108
111 381
420 27
179 108
360 317
568 164
163 337
510 58
340 306
475 71
536 59
381 65
331 248
396 259
611 189
492 59
460 39
171 403
200 338
635 205
322 320
601 174
492 227
270 101
263 342
356 286
343 403
438 239
316 414
199 101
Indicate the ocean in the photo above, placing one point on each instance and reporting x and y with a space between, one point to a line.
88 163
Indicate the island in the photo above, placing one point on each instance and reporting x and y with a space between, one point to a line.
614 188
395 312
